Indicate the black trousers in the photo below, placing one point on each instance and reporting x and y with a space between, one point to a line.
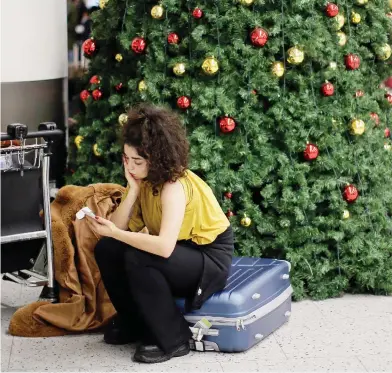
142 288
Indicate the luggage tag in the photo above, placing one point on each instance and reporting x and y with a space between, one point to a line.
83 212
201 326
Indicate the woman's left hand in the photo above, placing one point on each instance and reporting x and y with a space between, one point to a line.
102 226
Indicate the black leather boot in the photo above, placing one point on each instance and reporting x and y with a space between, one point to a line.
117 333
153 354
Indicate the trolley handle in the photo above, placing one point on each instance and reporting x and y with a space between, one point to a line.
19 131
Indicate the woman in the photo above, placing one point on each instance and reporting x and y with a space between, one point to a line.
187 252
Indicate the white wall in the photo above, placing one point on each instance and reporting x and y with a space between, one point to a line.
33 40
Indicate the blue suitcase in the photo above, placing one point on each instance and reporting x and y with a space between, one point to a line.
255 302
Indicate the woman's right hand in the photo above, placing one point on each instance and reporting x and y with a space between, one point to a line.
134 185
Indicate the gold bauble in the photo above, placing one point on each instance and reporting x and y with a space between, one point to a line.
340 20
78 141
97 151
119 57
246 221
357 127
346 214
123 119
390 4
384 52
210 65
361 2
355 17
246 2
387 147
342 38
333 65
142 86
278 69
102 3
157 12
179 69
295 56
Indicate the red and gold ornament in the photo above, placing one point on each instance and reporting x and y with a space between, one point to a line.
84 95
118 87
359 93
89 48
138 45
229 213
228 195
350 193
173 38
227 124
311 152
331 10
387 132
96 79
184 102
259 37
388 96
352 61
197 13
327 89
97 94
376 118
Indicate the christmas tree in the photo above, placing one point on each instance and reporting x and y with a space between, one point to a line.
285 115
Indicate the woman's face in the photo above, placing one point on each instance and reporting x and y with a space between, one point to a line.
135 164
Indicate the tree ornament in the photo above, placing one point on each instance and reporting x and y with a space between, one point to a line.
355 18
389 15
387 147
97 94
278 69
331 10
97 151
173 38
119 57
352 61
246 221
295 56
197 13
210 65
179 69
246 2
227 124
142 86
89 48
346 214
376 118
157 12
327 89
361 2
96 79
84 95
123 119
359 93
138 45
311 152
342 38
118 87
357 127
350 193
102 3
259 37
229 213
333 65
228 195
387 132
383 52
388 96
390 4
183 102
78 141
339 21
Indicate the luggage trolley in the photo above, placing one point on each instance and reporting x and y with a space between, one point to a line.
26 238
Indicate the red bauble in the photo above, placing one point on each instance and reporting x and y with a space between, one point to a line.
359 93
95 79
352 61
197 13
138 45
387 132
228 195
118 87
173 38
311 152
327 89
375 117
229 213
227 124
331 10
388 96
84 95
259 37
89 47
183 102
350 193
388 82
97 94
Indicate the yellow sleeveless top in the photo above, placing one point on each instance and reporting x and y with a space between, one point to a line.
204 219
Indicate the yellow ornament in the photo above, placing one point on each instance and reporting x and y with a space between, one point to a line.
346 214
210 65
357 126
390 4
78 141
123 119
157 12
333 65
387 147
384 52
97 151
362 2
355 17
295 56
245 221
342 38
119 57
179 69
142 86
246 2
340 20
278 69
102 3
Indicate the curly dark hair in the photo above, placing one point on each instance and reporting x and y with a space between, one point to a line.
158 135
